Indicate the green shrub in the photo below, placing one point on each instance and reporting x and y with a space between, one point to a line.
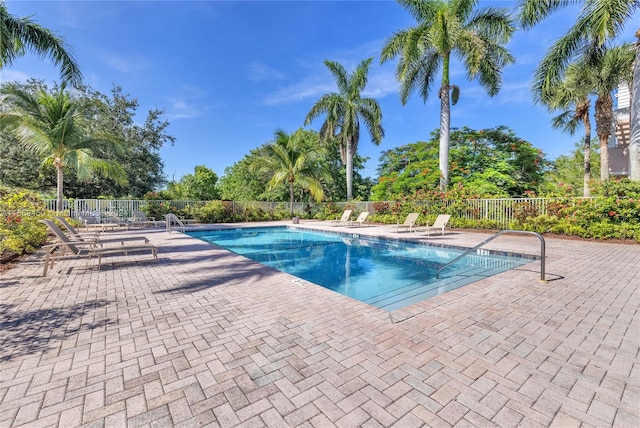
20 231
213 212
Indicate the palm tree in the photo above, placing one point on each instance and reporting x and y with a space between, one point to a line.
293 158
572 96
598 22
345 109
51 126
611 67
444 28
17 35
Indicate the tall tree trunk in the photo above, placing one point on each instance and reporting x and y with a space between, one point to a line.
445 122
634 143
584 117
60 178
349 167
604 124
291 194
586 191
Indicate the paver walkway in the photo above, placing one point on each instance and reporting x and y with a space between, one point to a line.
204 337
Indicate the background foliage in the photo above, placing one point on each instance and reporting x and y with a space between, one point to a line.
113 114
487 161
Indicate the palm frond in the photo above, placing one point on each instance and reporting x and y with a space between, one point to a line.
339 74
531 12
20 34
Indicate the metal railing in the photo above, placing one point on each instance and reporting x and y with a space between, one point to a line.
498 213
491 238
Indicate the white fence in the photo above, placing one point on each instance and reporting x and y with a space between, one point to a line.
500 212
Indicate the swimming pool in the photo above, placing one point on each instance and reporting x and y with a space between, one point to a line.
383 273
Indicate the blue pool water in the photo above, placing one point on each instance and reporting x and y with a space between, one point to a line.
383 273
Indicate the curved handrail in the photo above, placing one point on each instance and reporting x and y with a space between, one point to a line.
491 238
170 218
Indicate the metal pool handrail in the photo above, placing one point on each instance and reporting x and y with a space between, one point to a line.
170 218
491 238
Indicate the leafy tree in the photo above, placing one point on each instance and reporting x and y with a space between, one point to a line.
565 176
140 156
240 183
199 186
444 28
101 114
19 168
345 110
487 162
598 22
288 160
18 35
48 125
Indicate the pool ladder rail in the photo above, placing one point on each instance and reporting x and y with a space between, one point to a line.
491 238
172 218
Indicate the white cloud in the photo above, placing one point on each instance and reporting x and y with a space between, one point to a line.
310 87
13 76
126 64
381 83
181 109
260 72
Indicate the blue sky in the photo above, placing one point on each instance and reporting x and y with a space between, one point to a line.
230 73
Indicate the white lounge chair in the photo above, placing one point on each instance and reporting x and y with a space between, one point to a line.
141 218
360 220
90 236
74 232
439 224
409 222
91 222
117 220
344 220
66 248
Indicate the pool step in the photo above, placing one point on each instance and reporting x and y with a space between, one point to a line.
416 292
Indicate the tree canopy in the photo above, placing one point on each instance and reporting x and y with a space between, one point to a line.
199 186
487 162
102 114
49 125
240 183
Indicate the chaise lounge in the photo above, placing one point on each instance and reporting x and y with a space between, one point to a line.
439 224
66 248
409 222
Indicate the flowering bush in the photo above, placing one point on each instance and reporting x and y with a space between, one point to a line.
20 231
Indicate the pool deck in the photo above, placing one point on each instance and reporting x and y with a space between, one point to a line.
204 337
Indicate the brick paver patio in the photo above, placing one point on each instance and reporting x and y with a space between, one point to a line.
204 337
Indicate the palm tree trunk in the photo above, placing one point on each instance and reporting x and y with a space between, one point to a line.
604 123
634 143
60 178
604 158
445 123
291 194
586 191
349 167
